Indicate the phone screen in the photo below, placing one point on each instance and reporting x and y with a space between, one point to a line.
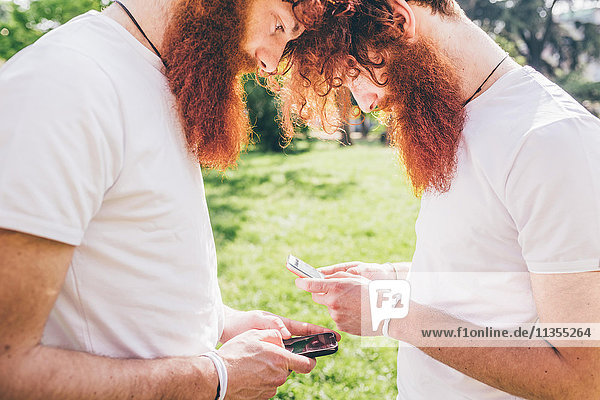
321 344
301 268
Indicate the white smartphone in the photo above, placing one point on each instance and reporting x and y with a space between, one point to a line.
302 269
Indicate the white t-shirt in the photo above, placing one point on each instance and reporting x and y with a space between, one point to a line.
92 154
526 198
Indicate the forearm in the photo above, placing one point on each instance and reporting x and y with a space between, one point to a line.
536 372
51 373
528 372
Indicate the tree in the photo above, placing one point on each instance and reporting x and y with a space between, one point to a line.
530 29
14 33
263 115
21 26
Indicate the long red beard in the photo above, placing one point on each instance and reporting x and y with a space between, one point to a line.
204 59
427 113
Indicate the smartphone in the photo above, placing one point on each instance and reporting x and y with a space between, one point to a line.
302 269
321 344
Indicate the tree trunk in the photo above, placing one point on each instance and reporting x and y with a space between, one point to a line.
364 126
346 140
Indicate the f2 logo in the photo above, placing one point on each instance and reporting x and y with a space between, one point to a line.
388 299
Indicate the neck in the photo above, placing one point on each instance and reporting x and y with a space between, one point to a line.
473 62
151 15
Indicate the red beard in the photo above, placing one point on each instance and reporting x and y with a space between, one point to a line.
427 113
204 59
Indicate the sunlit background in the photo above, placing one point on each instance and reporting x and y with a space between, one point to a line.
344 199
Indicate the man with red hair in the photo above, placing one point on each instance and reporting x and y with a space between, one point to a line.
507 165
108 272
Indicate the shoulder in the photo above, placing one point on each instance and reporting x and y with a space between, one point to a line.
556 130
56 64
74 53
523 111
57 77
52 92
566 148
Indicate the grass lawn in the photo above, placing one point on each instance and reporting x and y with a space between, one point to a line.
326 206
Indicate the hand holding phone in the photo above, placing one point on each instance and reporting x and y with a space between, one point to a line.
321 344
302 269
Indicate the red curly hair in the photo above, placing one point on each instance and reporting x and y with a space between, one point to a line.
317 63
345 38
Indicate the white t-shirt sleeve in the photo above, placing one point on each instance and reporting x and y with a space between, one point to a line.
553 195
61 142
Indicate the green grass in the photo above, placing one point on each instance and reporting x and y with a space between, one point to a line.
326 206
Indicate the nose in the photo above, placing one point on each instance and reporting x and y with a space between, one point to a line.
364 92
366 100
268 59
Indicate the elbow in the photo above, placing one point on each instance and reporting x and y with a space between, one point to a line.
576 376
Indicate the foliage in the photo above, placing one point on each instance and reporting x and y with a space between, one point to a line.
325 206
14 34
538 35
558 46
23 26
263 114
585 90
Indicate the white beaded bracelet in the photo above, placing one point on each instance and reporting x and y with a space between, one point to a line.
221 371
386 328
393 269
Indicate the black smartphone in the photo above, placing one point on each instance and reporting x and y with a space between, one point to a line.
321 344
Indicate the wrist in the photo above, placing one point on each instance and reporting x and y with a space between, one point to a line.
396 270
219 366
186 378
212 377
406 329
394 329
204 379
392 270
385 330
401 269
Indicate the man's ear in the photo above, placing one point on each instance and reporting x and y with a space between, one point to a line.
404 17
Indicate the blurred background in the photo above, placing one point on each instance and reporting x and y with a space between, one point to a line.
560 38
329 201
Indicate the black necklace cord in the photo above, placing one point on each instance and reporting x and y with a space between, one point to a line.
138 27
486 79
